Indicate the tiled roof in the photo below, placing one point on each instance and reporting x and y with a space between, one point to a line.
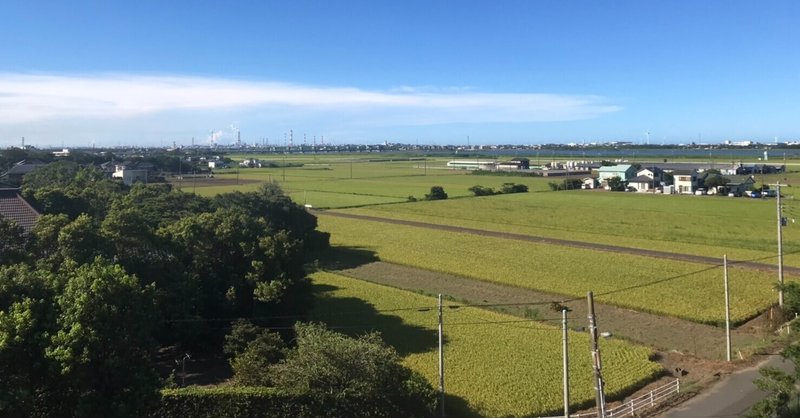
24 167
13 207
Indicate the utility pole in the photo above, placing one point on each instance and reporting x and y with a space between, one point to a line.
441 361
566 361
727 311
780 244
596 363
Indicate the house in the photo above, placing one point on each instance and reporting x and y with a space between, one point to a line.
739 186
15 174
130 176
623 171
589 183
218 164
643 183
15 208
685 181
647 179
654 173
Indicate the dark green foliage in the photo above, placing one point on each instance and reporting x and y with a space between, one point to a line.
791 298
437 193
12 243
67 188
235 401
782 396
514 188
75 343
103 347
26 320
252 350
357 377
616 184
482 191
715 180
566 184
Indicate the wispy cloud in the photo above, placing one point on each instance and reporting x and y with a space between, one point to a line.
28 98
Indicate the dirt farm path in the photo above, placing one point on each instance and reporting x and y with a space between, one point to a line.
566 243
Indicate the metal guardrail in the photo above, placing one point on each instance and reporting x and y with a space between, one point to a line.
633 406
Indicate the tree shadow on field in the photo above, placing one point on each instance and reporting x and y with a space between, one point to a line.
354 317
342 258
456 406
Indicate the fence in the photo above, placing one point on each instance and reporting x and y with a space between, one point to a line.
634 407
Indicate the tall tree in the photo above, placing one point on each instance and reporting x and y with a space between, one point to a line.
104 346
353 377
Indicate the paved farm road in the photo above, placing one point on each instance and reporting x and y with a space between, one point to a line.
730 398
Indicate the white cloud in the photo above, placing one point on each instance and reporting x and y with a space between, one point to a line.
27 99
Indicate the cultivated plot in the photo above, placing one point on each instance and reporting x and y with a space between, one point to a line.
499 364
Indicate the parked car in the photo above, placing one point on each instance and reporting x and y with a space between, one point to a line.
754 195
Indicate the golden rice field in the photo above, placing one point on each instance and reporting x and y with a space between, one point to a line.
680 289
498 365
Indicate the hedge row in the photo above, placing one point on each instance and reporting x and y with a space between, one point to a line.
230 401
253 402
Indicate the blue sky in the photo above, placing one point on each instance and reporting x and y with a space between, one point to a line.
525 72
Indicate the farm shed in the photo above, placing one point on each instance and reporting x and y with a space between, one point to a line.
623 171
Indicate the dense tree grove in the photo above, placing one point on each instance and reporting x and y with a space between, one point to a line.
109 274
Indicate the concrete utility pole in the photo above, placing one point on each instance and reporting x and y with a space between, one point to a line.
565 349
441 360
596 363
727 311
780 244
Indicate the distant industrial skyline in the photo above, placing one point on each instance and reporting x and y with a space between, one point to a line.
153 73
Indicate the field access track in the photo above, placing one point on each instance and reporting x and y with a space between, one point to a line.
567 243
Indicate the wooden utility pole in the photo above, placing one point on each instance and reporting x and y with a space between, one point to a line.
565 349
596 363
441 360
727 311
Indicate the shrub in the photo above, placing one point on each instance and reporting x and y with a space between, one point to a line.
514 188
482 191
437 193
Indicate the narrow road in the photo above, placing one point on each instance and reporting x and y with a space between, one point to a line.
566 243
732 397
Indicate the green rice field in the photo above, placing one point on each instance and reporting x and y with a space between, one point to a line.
744 229
495 365
669 287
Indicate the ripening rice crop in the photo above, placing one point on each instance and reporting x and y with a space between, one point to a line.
498 364
685 290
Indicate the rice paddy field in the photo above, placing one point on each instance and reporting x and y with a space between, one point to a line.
742 228
495 365
669 287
